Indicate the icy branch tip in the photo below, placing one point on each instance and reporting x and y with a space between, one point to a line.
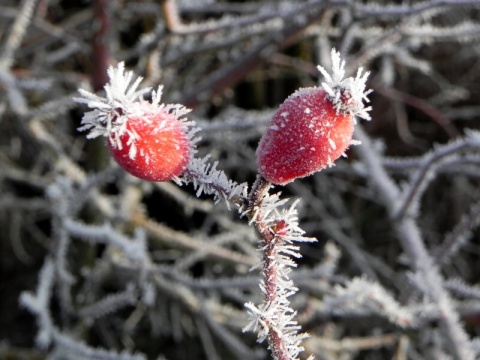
347 94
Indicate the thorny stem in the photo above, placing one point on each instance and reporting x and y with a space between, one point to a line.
259 187
238 200
277 345
269 242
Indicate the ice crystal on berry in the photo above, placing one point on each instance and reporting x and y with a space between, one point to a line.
346 94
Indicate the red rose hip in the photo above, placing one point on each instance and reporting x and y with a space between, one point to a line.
154 147
305 135
148 139
313 127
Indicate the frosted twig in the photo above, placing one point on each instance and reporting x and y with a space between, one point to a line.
460 234
165 234
110 303
38 303
207 179
404 10
460 288
15 96
427 168
48 333
273 319
134 249
17 32
229 75
363 296
411 240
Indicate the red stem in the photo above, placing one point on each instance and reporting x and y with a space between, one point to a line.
269 241
100 48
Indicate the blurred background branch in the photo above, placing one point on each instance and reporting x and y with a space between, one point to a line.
118 268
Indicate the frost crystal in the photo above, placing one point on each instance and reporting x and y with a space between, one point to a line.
122 102
362 296
274 318
347 94
206 178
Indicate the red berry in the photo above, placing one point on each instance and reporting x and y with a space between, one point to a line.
150 140
153 147
306 134
314 126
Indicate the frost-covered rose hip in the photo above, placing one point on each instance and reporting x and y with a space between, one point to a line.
305 135
313 127
149 140
154 147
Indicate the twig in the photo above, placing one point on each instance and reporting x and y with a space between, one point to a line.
230 75
273 318
411 240
459 235
17 32
426 170
443 121
101 44
168 235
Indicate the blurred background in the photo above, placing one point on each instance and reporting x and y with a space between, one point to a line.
362 293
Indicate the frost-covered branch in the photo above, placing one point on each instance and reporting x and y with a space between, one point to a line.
49 334
134 249
363 296
278 230
413 244
206 178
17 33
460 234
427 168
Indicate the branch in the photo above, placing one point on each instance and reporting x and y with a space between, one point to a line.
273 319
411 240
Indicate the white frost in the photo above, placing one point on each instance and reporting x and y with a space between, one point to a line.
347 94
332 144
122 101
